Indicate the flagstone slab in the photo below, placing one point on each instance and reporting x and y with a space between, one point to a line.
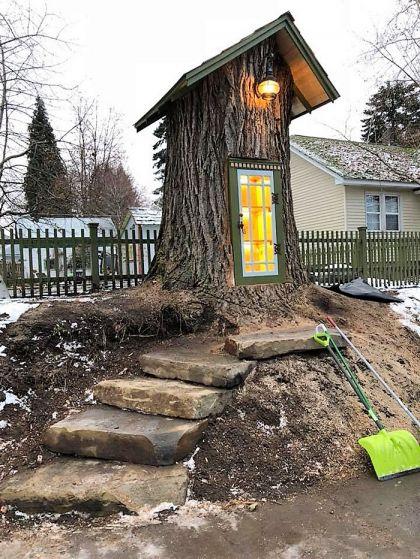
99 486
163 397
223 371
273 343
114 434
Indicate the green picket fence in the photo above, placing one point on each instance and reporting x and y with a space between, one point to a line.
53 263
384 258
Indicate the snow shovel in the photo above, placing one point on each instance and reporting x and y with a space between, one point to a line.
392 453
378 377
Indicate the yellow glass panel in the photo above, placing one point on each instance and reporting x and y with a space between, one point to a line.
255 179
245 221
255 194
258 252
257 224
248 268
243 179
259 268
244 195
267 180
247 252
270 251
271 267
268 223
267 197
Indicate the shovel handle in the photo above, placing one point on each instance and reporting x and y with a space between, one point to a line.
331 321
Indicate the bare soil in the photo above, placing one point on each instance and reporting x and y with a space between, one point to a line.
293 424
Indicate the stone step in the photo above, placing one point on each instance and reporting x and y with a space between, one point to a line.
223 371
263 345
100 486
107 432
163 397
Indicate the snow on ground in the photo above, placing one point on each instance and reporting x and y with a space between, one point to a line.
409 309
11 311
12 399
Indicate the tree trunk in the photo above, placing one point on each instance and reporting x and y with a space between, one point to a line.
222 117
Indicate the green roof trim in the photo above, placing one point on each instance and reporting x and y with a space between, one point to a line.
191 78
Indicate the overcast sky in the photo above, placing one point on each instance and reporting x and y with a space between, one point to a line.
129 53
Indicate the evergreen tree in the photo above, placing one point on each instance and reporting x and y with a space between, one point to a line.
392 115
159 157
45 185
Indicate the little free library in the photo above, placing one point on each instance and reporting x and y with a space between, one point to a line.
227 205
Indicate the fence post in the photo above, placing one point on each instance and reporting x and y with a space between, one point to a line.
362 252
94 259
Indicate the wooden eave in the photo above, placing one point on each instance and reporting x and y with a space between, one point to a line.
312 86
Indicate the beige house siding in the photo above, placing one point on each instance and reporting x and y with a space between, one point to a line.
317 201
355 207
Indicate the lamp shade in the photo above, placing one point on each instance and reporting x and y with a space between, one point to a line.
268 88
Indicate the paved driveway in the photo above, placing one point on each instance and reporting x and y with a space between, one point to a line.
363 518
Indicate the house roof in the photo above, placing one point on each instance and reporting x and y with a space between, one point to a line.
361 161
145 215
311 83
67 222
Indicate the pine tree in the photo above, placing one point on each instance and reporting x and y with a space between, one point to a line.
45 185
392 116
159 157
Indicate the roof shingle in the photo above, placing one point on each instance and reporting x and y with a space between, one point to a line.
359 160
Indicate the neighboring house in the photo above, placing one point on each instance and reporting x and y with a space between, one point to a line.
343 185
65 226
145 222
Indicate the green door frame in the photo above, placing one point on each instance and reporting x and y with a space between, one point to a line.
258 164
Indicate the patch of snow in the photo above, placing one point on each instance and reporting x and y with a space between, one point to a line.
2 351
194 515
11 311
190 463
3 424
22 515
12 399
283 420
89 397
409 309
272 429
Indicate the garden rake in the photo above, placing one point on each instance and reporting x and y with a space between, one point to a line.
393 453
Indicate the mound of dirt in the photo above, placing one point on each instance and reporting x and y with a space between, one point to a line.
293 423
296 422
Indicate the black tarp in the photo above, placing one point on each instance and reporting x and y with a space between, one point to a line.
360 289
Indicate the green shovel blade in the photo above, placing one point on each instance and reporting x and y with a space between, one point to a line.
393 453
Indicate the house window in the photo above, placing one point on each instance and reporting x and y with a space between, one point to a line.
373 212
382 212
392 213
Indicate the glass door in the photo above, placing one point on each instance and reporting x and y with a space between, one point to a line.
256 221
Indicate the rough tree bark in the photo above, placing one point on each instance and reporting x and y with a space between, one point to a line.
222 117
